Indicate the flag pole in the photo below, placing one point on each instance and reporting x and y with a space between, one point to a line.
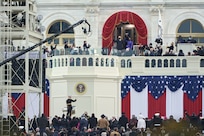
160 27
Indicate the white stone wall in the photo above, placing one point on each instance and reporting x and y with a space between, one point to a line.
98 11
103 96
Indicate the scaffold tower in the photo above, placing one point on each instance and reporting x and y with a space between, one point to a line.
21 77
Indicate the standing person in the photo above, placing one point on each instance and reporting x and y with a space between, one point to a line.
83 123
86 46
92 121
194 119
157 123
119 45
52 53
133 122
43 123
126 38
141 124
69 105
66 48
34 123
103 123
66 45
123 121
141 49
171 47
129 45
113 123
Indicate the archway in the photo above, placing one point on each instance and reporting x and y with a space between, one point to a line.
123 17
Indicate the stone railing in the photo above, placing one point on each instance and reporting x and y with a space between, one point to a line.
128 65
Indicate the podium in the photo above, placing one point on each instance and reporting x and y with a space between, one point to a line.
64 110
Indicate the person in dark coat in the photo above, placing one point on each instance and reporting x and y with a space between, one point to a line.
194 119
83 123
157 123
92 121
120 45
113 123
86 46
34 123
55 123
171 126
181 53
69 105
43 123
53 49
202 124
133 122
123 121
74 122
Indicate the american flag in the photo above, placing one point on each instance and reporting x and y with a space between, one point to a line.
46 103
47 87
192 86
18 103
165 94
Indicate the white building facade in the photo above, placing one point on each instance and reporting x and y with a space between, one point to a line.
98 14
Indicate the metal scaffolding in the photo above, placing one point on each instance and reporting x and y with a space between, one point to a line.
22 69
21 76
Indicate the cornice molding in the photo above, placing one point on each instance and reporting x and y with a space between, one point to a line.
77 5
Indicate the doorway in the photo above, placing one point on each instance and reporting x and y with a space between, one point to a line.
126 29
118 24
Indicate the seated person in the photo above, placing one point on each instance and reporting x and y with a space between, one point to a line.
191 40
180 39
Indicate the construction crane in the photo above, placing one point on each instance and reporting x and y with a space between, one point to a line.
46 40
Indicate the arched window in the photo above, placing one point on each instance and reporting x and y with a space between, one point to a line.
193 28
147 63
66 36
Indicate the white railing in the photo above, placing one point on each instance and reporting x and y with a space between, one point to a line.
129 65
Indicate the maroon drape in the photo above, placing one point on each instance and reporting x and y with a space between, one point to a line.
193 106
116 19
156 105
126 105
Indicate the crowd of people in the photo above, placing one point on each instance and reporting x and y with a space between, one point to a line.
189 125
68 49
85 125
126 47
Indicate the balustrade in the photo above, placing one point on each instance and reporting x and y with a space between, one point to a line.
122 62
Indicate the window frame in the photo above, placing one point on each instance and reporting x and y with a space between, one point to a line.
69 36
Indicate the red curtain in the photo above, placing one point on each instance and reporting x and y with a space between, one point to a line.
46 105
193 106
126 105
116 19
156 105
